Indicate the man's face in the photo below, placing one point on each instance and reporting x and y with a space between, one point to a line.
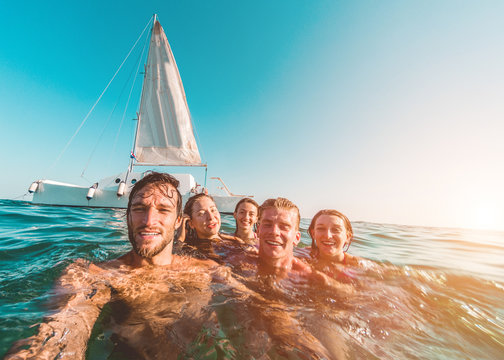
153 219
278 233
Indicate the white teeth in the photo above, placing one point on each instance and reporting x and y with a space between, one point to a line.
149 233
328 243
275 243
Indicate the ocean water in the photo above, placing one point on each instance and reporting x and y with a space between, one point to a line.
432 293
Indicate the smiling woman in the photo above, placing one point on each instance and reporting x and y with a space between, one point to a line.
245 215
332 234
203 217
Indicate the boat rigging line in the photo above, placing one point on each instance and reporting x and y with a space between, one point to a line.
98 100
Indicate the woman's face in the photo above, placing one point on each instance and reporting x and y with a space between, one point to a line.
205 218
245 216
331 236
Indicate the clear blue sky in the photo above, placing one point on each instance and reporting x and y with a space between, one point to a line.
389 111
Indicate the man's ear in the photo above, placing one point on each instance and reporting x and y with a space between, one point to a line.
298 238
178 222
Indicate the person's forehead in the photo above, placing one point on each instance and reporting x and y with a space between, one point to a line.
165 193
203 203
279 214
247 206
327 219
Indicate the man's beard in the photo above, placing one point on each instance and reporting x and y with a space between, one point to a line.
146 252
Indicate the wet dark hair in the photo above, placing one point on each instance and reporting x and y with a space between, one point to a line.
279 203
348 227
160 181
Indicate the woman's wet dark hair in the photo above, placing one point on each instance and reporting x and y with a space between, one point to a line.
160 181
348 227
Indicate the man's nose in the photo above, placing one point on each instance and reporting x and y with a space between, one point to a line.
151 217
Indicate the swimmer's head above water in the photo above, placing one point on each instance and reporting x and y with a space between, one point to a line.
204 220
331 234
153 214
278 231
280 204
245 215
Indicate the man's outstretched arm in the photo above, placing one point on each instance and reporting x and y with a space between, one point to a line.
64 334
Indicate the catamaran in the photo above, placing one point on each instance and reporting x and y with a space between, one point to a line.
164 137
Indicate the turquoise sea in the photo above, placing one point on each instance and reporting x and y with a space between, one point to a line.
436 293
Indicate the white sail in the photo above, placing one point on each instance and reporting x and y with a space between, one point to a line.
164 138
164 134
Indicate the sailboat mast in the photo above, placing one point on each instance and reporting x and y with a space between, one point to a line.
132 156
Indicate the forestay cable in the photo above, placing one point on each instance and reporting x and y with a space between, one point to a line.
99 98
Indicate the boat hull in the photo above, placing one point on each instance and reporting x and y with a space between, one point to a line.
50 192
54 193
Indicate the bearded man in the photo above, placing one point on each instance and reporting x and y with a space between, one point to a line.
156 301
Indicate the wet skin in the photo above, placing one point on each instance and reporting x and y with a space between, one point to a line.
158 300
276 278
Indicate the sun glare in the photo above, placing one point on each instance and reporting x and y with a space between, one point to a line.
487 216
